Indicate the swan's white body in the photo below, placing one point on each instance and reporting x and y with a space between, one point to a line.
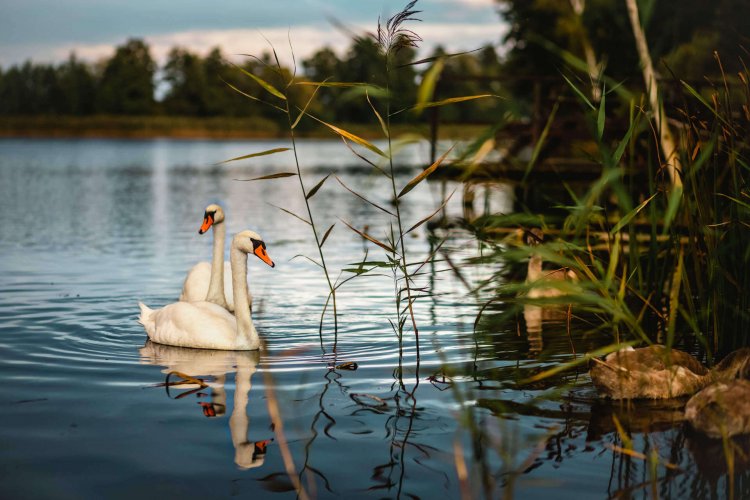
197 282
212 281
206 325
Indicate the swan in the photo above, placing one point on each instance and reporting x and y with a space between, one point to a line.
723 408
216 364
542 281
204 324
206 281
656 372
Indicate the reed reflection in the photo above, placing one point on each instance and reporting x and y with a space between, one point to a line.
193 371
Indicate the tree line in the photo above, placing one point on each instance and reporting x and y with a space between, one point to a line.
192 85
544 40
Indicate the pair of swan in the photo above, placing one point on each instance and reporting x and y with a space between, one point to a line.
721 408
206 323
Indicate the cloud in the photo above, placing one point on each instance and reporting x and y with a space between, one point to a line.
305 41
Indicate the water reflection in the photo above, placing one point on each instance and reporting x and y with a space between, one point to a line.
201 369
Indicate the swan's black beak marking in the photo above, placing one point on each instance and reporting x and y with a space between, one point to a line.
208 221
259 249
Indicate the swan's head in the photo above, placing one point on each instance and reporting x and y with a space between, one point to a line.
213 215
251 242
534 236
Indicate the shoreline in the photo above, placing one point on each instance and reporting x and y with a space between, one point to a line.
191 128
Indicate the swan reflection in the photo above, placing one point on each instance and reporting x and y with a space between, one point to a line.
196 370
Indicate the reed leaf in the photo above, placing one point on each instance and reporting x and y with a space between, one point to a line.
317 186
540 143
450 100
253 155
675 199
253 97
601 116
292 214
278 175
423 175
426 90
325 236
269 88
304 110
435 58
354 138
364 199
369 238
383 126
580 94
442 205
629 216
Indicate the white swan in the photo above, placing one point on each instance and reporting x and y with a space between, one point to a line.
206 325
207 281
216 364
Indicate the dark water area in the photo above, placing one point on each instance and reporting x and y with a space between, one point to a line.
91 227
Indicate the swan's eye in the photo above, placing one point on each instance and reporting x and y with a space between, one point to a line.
258 243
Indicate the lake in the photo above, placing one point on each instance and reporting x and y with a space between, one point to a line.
92 227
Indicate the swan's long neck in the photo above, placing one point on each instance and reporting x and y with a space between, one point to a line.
216 284
245 330
535 268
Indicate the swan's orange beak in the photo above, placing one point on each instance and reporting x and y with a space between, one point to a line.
208 220
260 252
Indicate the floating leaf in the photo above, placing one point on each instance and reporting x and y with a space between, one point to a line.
364 199
253 155
270 88
325 236
370 238
278 175
423 175
354 138
315 188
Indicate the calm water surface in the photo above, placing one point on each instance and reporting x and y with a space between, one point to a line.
91 227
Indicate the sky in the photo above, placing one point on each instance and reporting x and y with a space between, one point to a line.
48 30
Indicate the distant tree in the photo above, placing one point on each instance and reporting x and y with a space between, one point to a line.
30 89
78 87
127 85
188 92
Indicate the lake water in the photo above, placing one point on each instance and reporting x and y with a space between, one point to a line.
91 227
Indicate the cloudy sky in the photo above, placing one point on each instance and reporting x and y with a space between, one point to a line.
48 30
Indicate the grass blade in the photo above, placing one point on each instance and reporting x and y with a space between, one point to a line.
369 238
423 174
253 155
317 186
675 197
540 142
278 175
253 97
